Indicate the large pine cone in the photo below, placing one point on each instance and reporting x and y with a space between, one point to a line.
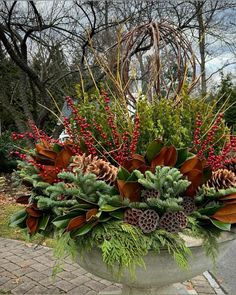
148 221
81 162
231 165
103 170
173 221
222 179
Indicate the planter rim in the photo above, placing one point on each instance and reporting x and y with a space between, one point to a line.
192 242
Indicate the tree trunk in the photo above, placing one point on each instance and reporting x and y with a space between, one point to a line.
202 45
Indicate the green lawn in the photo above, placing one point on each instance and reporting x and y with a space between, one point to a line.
8 232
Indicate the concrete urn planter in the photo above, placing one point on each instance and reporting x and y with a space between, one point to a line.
161 270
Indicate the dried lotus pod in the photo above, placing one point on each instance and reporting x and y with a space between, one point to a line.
149 193
148 221
103 170
188 205
222 179
132 216
173 221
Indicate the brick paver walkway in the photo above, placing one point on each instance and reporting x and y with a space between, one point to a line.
25 270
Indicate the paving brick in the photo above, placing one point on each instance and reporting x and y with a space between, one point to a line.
10 266
79 280
81 290
105 282
22 271
37 290
8 274
79 271
36 276
69 267
23 288
3 280
39 267
93 277
49 281
64 285
96 286
66 275
54 291
27 262
8 286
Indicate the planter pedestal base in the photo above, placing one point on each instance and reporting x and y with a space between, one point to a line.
176 289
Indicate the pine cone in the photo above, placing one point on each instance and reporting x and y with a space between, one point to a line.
103 170
81 162
173 221
188 205
149 193
148 221
132 216
231 165
222 179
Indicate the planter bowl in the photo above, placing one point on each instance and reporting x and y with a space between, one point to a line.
161 270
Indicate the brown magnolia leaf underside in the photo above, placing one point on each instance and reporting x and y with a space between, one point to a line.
91 214
193 163
76 222
130 190
32 224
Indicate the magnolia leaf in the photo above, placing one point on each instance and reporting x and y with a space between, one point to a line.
230 201
130 190
209 210
182 155
18 217
109 208
207 173
57 148
63 157
193 163
76 222
62 221
43 222
23 199
83 230
91 214
195 177
33 212
119 214
123 174
228 197
159 159
226 210
170 156
32 224
226 214
221 225
153 150
41 150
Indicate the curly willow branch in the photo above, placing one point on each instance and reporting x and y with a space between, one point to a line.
170 55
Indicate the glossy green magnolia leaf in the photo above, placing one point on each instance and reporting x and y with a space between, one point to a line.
221 225
182 155
83 230
123 174
109 208
119 214
43 222
153 150
62 221
18 218
209 210
57 148
207 173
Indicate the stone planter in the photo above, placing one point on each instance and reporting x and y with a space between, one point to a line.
161 270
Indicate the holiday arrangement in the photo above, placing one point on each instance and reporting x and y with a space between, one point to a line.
109 186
